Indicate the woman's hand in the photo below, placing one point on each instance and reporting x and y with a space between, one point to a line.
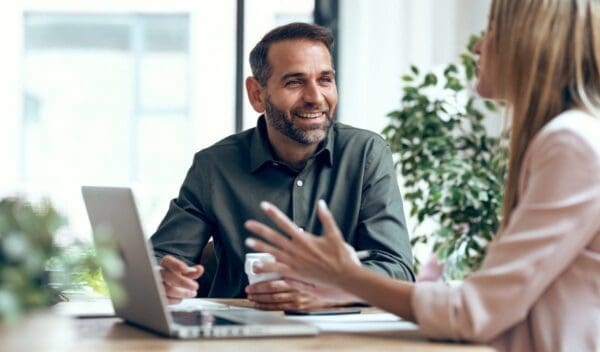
300 255
325 262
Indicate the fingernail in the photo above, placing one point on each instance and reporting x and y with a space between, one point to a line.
322 204
258 265
250 242
265 205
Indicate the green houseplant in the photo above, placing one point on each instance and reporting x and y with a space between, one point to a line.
452 169
34 270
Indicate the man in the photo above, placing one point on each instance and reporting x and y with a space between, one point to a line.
295 156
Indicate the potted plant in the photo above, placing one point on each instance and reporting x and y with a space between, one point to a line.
35 271
451 168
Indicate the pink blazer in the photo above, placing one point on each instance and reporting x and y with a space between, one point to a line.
539 286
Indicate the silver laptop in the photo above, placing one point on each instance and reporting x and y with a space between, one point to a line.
114 209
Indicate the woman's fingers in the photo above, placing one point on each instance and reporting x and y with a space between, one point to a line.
267 233
282 221
261 246
300 250
329 224
282 269
283 265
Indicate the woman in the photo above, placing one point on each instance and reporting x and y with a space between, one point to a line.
539 286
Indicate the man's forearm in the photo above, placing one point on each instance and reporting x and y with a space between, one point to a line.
395 270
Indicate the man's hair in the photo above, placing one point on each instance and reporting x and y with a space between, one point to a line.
259 62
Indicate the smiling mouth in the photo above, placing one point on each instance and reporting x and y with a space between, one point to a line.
309 115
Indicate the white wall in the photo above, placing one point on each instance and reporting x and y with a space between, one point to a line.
10 95
380 39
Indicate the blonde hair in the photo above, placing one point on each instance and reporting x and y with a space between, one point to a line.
546 60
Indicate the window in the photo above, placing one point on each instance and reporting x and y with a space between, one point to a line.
101 93
114 92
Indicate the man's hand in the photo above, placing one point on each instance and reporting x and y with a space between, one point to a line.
291 294
279 295
179 279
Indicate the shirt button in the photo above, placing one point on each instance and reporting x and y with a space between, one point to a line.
299 183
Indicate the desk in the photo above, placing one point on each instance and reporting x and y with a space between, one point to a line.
111 334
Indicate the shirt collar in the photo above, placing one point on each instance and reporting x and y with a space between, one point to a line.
260 148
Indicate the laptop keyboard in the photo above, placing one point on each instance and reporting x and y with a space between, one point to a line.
199 318
187 318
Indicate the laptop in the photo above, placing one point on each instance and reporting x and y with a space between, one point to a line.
114 210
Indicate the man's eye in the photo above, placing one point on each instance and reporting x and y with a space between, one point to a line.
293 83
326 79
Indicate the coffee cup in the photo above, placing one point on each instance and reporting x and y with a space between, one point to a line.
251 260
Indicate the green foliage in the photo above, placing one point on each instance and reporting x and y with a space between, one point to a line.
87 265
453 171
33 269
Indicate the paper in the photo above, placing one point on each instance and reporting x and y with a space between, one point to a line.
192 304
357 323
348 318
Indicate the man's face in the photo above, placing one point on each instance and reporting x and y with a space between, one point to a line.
301 95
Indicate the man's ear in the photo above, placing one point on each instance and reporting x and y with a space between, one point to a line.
254 90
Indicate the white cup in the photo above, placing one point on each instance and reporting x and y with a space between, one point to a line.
253 258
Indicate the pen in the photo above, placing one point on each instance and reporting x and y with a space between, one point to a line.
363 254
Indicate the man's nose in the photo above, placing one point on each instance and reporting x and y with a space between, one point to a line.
313 94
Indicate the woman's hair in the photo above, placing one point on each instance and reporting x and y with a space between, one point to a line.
546 59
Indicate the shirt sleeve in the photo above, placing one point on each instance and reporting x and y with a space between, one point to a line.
556 217
382 227
186 228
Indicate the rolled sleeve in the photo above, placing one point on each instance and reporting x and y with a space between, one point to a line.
382 226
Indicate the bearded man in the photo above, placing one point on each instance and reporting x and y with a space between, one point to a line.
296 155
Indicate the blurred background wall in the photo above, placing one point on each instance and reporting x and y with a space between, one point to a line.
107 92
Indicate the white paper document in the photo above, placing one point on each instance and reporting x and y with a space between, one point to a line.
192 304
378 322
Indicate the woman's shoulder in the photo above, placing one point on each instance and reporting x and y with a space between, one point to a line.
585 126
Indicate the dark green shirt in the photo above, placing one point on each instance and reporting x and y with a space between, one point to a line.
352 171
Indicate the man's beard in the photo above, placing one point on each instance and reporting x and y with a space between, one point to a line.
278 119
